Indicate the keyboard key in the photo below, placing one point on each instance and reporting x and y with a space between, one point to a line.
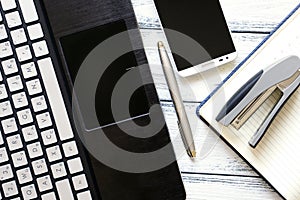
49 137
48 196
20 100
80 182
64 189
29 133
18 36
84 195
3 33
75 165
29 70
56 101
15 83
35 31
19 159
10 188
13 19
6 172
3 155
70 149
44 120
29 192
5 49
28 10
34 87
25 116
1 139
58 170
39 103
24 175
5 109
3 92
23 53
8 4
9 125
53 153
35 150
44 183
39 166
40 48
14 142
9 66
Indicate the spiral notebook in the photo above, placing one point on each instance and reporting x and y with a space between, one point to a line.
277 156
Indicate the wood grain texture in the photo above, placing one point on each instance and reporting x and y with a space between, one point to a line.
218 173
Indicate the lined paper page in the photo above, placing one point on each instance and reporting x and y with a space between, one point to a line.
277 156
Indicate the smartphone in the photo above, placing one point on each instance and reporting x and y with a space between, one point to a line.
204 22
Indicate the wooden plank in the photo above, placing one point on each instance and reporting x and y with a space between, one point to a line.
211 187
197 87
213 155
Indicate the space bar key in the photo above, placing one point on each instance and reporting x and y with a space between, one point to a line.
55 99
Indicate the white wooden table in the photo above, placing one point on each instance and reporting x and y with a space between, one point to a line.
218 172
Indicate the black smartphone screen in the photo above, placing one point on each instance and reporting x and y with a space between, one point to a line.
203 21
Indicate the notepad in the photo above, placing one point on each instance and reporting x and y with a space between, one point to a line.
277 155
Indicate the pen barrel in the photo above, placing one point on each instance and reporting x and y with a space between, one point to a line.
183 123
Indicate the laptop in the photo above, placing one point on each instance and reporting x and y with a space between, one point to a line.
69 70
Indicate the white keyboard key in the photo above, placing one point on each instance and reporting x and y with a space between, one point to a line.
19 159
39 103
25 116
9 66
44 120
35 31
35 150
15 83
14 142
34 87
3 92
1 18
29 192
44 183
18 36
8 4
1 78
6 172
29 133
29 70
3 33
64 190
49 137
80 182
13 19
3 155
84 195
28 10
1 139
23 53
55 98
58 170
40 48
20 100
9 125
5 109
70 149
10 188
53 153
75 165
48 196
39 166
24 175
5 49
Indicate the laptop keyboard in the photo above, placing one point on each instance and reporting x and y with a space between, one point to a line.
39 158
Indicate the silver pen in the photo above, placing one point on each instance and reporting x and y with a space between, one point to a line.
183 123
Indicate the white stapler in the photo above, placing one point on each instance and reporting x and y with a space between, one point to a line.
283 76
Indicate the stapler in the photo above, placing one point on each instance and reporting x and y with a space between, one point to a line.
282 76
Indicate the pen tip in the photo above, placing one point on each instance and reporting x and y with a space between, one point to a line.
160 44
192 154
